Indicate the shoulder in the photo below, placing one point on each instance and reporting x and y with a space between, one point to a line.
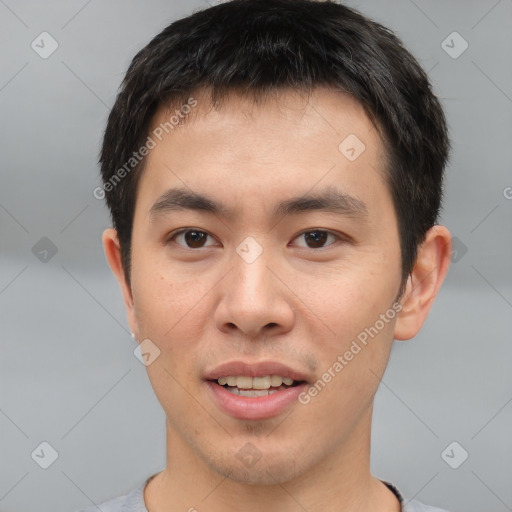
416 506
131 502
410 505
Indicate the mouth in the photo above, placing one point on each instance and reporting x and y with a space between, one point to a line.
247 386
254 391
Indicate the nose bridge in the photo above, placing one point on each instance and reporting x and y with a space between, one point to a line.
251 275
251 298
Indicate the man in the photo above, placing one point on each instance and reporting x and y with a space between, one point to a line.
274 173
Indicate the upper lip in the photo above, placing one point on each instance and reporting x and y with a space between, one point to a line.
258 369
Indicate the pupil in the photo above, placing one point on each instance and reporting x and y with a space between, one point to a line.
194 238
316 237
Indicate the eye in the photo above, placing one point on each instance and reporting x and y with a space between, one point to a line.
316 238
194 238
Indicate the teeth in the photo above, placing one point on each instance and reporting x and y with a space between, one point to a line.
253 392
244 382
260 383
255 383
276 381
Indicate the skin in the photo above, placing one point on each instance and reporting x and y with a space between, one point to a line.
299 302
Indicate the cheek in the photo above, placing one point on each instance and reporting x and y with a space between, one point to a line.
355 348
169 312
351 367
350 300
165 304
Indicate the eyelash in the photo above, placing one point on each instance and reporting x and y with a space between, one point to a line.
183 231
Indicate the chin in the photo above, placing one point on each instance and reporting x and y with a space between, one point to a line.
269 469
262 474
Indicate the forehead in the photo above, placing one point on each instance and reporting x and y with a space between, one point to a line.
321 109
288 142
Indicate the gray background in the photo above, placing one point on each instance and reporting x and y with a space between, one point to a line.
67 369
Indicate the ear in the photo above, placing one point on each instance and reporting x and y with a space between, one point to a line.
112 248
424 282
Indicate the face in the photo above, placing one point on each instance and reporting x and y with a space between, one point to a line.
289 269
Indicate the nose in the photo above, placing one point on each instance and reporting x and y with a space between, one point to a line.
255 299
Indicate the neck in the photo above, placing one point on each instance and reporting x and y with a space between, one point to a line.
342 482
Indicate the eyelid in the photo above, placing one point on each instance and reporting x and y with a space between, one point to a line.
339 238
180 231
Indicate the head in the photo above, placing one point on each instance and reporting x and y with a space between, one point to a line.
256 124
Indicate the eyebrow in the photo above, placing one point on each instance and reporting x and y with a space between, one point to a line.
329 200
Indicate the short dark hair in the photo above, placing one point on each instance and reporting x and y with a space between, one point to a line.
262 46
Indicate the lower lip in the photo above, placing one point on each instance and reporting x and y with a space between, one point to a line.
257 407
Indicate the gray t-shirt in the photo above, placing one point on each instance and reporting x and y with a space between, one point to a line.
134 502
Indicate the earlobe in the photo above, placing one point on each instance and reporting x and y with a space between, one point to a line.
112 248
424 282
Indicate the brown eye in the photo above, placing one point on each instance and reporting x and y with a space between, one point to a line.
194 239
316 239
